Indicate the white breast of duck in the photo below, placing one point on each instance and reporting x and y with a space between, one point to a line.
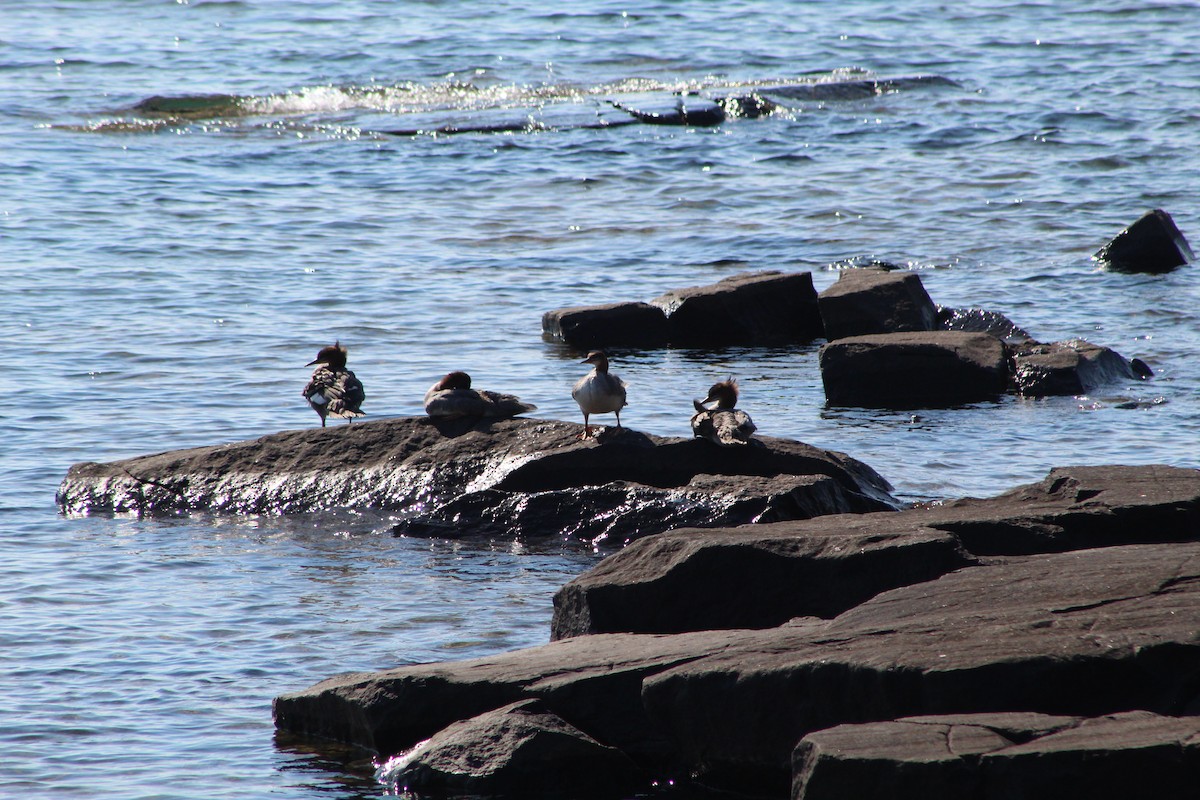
599 392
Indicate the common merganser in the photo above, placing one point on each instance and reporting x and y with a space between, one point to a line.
333 389
453 396
599 392
724 425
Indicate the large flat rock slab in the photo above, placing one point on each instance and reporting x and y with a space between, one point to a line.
984 756
761 576
511 477
1081 634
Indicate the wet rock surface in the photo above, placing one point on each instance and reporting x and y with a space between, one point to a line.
509 477
1053 648
1067 368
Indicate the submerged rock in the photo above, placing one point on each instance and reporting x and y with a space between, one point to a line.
1152 244
906 370
510 477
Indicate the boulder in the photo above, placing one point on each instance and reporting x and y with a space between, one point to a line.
753 308
982 756
1084 634
1151 244
465 476
908 370
868 301
1067 368
520 749
612 325
761 576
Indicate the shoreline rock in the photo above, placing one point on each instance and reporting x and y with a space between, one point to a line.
1086 634
507 477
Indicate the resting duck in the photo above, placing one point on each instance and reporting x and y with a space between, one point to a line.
598 392
453 396
333 390
724 425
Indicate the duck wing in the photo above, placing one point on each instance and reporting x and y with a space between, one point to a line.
343 395
505 405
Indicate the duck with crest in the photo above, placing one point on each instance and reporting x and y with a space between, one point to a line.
599 392
725 424
334 391
453 396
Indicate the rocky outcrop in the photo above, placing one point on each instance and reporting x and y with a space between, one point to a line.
905 370
869 301
1151 244
1086 633
982 756
511 477
753 308
691 580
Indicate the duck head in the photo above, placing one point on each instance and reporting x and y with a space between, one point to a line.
332 356
598 359
724 393
453 380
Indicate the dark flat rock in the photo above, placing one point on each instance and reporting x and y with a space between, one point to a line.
1084 634
754 308
466 476
911 370
761 576
983 756
979 320
632 324
1151 244
869 301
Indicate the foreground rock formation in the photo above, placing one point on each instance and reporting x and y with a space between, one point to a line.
1055 649
506 478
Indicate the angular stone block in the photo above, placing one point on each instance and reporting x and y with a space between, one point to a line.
868 301
748 309
908 370
611 325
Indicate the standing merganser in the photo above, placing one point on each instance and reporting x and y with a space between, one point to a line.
599 392
453 396
333 390
724 425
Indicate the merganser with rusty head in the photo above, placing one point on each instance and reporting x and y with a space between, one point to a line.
725 424
334 391
453 396
599 392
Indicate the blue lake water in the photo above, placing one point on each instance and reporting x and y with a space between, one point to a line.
167 279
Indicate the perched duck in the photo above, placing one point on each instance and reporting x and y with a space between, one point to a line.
724 425
333 390
599 392
453 396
